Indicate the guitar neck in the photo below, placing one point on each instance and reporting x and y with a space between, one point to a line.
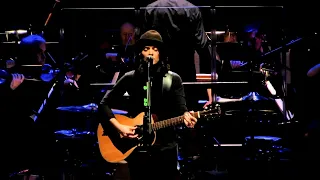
172 122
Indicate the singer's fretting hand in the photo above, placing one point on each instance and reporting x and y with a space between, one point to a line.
189 120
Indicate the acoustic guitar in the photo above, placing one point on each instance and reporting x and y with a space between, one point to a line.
115 148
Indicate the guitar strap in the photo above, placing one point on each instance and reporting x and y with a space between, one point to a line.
167 82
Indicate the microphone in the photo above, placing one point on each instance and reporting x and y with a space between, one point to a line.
150 59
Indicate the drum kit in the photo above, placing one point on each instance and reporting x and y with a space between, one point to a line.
78 146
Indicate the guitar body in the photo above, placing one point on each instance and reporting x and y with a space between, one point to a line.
113 147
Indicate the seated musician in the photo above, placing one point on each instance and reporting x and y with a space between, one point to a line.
123 59
168 100
126 51
253 47
72 90
70 77
21 99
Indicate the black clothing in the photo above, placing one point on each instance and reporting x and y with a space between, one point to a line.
183 32
158 165
165 103
23 134
312 97
17 134
312 126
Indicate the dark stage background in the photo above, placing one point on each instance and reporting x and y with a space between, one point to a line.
85 28
23 13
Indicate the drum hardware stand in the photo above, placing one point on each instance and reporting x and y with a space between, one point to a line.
213 55
214 76
90 117
218 171
258 97
284 64
253 97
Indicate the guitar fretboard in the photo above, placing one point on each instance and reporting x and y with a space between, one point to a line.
167 123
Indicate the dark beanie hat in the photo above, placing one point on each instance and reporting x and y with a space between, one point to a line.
150 38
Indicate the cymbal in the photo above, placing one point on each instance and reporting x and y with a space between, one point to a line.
226 100
83 109
89 108
222 100
261 111
72 132
254 96
217 32
118 111
18 31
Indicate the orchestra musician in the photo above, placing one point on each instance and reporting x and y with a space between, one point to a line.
22 100
125 52
253 45
166 103
72 91
128 40
112 58
19 117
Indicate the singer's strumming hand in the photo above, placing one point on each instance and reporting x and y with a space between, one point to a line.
127 131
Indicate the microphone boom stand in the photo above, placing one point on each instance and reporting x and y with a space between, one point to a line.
147 129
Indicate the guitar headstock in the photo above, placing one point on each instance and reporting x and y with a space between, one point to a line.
212 110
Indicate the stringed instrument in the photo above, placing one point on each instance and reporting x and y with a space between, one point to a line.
115 148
